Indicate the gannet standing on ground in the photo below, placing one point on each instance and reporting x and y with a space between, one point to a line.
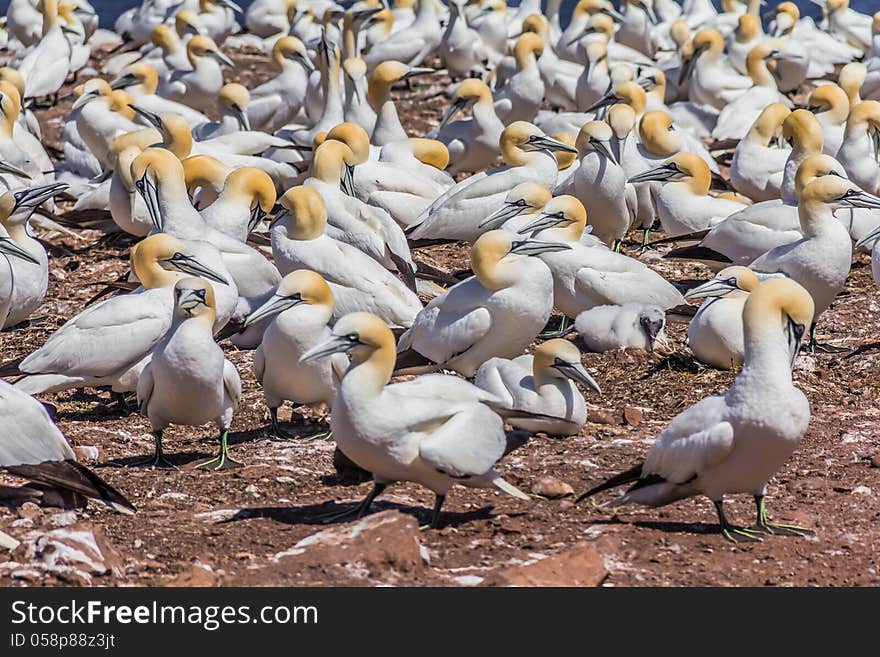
188 380
436 430
715 333
109 343
735 442
497 312
44 66
632 325
299 314
543 383
32 447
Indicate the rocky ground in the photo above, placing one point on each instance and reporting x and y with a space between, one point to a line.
261 525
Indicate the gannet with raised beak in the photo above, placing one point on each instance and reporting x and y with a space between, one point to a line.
736 441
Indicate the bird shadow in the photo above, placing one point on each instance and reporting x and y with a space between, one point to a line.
141 461
666 526
677 362
322 513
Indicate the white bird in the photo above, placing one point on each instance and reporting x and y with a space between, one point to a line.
848 25
45 65
278 101
830 104
8 248
521 206
472 141
457 214
357 106
497 312
412 45
521 96
544 384
460 45
715 333
632 325
713 81
141 81
198 87
298 315
246 198
591 274
436 430
358 282
736 441
758 161
859 151
29 278
34 448
188 380
388 127
108 344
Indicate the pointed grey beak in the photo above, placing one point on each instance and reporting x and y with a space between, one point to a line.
871 236
576 372
5 167
257 215
662 173
189 299
338 344
189 265
242 117
856 198
604 149
304 61
581 35
85 98
458 105
348 179
418 70
152 119
31 197
651 329
125 81
229 4
8 247
713 288
220 58
608 99
536 247
150 193
687 67
503 214
611 11
545 142
649 11
543 221
275 305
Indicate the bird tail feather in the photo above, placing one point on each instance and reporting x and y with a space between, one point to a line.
506 487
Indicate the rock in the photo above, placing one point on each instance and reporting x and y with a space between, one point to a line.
580 566
552 488
30 511
87 453
375 547
79 552
632 416
200 575
8 542
62 519
348 470
862 490
600 416
875 461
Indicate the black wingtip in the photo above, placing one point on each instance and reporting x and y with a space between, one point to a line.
687 237
697 252
411 358
633 474
11 367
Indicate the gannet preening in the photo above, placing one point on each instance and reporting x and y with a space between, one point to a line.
758 161
735 442
632 325
199 86
358 282
589 273
247 197
108 344
473 142
299 313
457 214
232 102
34 448
715 333
543 383
497 312
435 430
821 259
29 278
684 204
188 380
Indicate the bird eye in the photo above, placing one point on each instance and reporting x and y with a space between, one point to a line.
352 337
520 203
732 282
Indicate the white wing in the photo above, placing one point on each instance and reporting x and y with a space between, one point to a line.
468 444
29 436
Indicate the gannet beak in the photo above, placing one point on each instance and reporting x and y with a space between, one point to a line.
31 197
5 167
278 217
150 193
584 32
8 247
276 304
501 215
229 4
418 70
543 221
68 30
453 109
713 288
872 235
152 119
348 179
545 142
242 117
611 11
604 149
856 198
85 98
576 372
366 14
189 265
795 334
257 215
662 173
220 58
652 329
305 61
189 299
687 67
123 82
536 247
608 99
338 344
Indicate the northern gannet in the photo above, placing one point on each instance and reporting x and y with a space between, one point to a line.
141 81
199 86
497 312
630 326
521 96
358 282
357 105
45 65
188 380
521 206
457 214
759 161
543 383
713 81
412 45
735 442
8 248
435 430
298 317
247 197
831 106
109 343
278 101
388 127
715 333
232 103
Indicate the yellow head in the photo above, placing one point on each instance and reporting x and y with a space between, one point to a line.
308 213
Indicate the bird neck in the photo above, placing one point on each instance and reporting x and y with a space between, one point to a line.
152 275
766 357
815 217
178 140
50 16
370 376
388 121
760 74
